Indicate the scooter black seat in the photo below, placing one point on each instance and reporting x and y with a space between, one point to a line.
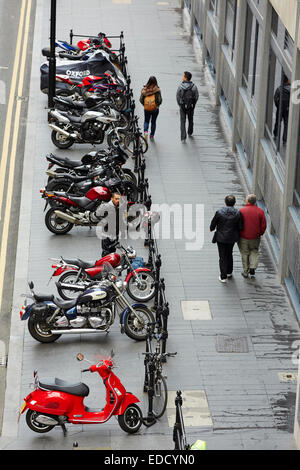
79 389
80 263
64 304
43 297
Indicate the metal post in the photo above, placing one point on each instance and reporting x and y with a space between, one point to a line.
52 60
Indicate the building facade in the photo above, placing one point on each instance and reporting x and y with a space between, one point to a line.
252 48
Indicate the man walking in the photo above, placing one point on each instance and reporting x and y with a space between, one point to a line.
285 91
187 97
254 226
228 222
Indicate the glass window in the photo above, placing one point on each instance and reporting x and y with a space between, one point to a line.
230 24
297 182
251 67
278 101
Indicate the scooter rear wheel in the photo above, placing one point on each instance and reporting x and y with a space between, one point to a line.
131 420
34 425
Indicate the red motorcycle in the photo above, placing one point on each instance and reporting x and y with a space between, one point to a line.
55 402
76 275
67 210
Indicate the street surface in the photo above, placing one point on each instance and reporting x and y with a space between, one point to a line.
232 400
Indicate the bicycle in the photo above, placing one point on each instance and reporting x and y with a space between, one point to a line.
134 141
155 383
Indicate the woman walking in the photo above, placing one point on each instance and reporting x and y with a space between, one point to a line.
151 100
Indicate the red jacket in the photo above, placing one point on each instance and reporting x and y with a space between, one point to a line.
255 223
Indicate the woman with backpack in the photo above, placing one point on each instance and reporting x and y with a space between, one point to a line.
151 100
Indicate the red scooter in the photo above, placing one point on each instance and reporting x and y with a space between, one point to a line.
55 402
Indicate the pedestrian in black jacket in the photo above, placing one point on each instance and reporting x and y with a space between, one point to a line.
187 96
285 91
228 223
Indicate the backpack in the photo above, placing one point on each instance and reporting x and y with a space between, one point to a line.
150 103
188 99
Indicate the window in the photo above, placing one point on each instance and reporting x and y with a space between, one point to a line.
213 6
188 4
230 24
250 65
288 44
277 105
297 182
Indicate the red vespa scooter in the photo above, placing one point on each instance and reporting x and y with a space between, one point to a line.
57 402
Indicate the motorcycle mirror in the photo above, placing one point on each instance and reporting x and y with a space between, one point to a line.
80 357
112 353
31 285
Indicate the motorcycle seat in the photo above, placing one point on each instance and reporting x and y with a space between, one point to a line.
43 297
80 263
79 389
71 116
81 201
67 161
64 304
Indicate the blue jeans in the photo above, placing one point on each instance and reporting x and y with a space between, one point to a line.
150 115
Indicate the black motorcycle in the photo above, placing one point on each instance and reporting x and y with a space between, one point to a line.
93 311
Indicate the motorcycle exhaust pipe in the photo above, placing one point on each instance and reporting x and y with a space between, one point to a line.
47 420
51 173
71 286
69 218
62 131
79 331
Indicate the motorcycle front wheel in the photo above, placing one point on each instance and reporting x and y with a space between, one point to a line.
115 137
55 224
136 328
131 420
61 141
35 425
143 288
69 277
40 331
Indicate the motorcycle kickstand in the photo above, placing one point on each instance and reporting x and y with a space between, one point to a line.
62 425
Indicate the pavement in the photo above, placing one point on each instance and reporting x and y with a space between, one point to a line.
235 341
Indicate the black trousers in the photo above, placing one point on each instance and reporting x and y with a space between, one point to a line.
189 114
106 246
285 119
225 258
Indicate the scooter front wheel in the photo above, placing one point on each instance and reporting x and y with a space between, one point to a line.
131 420
34 425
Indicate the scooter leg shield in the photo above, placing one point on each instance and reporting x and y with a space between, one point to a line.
128 400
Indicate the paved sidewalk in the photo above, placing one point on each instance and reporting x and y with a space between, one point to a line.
234 400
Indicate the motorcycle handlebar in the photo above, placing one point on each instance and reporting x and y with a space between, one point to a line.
85 370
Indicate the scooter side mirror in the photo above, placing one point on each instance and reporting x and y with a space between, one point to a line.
80 357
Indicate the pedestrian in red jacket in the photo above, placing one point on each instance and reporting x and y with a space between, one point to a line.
254 226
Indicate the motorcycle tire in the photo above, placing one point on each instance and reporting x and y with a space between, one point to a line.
130 176
61 142
145 292
70 278
59 184
120 102
53 226
34 425
131 420
133 328
113 138
131 191
39 334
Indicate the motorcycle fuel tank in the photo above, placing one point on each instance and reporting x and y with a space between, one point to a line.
113 259
92 295
99 192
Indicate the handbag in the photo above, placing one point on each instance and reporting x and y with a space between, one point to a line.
214 239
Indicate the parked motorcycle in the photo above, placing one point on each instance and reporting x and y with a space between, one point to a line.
76 274
55 402
71 208
90 127
93 311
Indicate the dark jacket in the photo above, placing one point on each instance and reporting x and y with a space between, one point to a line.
182 88
254 222
285 97
228 222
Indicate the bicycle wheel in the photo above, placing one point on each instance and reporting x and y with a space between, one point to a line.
160 396
129 143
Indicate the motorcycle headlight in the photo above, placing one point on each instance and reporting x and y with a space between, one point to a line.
119 285
132 254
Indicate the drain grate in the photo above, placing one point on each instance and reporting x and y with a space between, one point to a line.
287 376
232 344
